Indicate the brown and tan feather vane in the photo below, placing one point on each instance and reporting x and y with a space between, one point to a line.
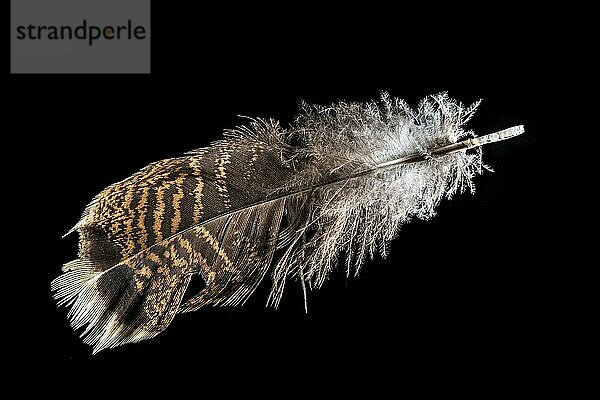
290 204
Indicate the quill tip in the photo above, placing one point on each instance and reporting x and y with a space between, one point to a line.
504 134
511 132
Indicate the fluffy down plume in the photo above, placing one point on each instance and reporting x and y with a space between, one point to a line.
330 190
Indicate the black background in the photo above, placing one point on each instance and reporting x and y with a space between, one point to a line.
465 292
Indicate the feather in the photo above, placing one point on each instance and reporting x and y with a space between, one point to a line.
295 204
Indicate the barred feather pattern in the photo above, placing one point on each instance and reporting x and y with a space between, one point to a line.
265 200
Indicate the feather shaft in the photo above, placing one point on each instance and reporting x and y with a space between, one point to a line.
452 148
